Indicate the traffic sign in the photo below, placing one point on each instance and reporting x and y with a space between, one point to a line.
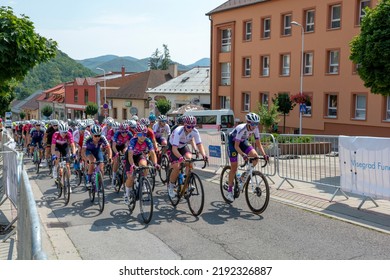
105 106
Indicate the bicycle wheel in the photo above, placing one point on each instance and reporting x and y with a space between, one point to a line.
257 192
224 183
58 183
36 160
66 185
195 194
152 175
99 191
163 172
175 200
145 200
108 170
118 182
91 190
50 165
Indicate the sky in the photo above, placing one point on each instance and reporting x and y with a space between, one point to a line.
90 28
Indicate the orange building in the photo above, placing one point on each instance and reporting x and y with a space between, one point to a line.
256 53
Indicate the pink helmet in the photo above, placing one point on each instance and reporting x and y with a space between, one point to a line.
189 120
141 128
123 127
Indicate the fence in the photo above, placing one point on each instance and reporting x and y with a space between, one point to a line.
15 187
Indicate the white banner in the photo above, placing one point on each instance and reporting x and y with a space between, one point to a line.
365 166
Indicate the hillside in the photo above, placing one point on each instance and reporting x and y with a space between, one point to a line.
46 75
131 64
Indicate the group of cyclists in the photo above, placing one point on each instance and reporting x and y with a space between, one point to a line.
136 139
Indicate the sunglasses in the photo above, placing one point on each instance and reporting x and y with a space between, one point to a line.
124 131
254 124
190 126
97 135
55 124
141 134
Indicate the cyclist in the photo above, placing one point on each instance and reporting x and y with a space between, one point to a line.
49 136
160 129
37 133
138 147
92 150
152 119
178 149
239 144
150 135
60 142
120 142
26 134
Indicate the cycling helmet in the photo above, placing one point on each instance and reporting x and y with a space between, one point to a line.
141 128
189 120
252 118
145 121
135 117
63 128
180 120
152 117
42 123
162 118
116 125
90 122
83 126
96 129
132 123
54 122
123 127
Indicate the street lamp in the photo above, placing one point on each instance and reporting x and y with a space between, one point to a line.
301 82
105 94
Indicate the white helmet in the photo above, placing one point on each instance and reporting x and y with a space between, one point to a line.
252 118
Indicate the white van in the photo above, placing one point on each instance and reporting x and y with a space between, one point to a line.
213 119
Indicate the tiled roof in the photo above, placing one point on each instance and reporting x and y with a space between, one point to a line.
32 104
138 84
194 81
53 94
19 105
90 81
232 4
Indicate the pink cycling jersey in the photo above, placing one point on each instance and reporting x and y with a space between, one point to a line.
58 139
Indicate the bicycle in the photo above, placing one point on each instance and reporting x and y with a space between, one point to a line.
190 187
120 178
254 183
163 161
107 170
36 157
63 181
97 189
143 193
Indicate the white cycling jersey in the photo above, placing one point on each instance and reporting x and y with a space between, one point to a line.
179 138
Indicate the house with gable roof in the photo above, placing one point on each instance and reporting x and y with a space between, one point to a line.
54 97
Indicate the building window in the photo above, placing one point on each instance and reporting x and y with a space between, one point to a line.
86 96
333 62
335 16
307 106
264 99
246 100
115 113
124 113
224 102
226 42
76 96
264 65
332 105
225 74
360 106
308 63
286 25
309 20
362 4
285 65
388 108
246 67
266 28
248 31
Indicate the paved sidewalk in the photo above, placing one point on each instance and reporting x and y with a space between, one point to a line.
8 250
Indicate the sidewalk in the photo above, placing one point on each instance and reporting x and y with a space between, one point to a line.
8 248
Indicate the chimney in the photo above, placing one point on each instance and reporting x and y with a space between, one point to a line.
123 71
173 70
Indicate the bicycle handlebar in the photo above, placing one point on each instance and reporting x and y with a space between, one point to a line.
251 159
195 159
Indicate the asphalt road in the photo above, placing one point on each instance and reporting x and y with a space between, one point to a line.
221 232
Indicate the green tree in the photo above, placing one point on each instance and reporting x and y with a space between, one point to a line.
47 111
370 50
160 61
163 105
20 47
285 105
91 109
6 96
269 117
22 115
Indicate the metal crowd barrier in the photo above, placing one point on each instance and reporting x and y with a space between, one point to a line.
16 188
